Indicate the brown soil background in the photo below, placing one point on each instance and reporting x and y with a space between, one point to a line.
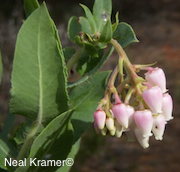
157 26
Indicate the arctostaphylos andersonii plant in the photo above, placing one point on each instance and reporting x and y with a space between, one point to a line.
58 110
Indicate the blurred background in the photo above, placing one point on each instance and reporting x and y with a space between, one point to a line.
157 26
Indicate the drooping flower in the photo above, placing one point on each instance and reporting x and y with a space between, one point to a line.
113 131
167 106
143 141
119 129
110 123
120 113
99 118
104 131
144 121
158 126
153 98
130 113
156 77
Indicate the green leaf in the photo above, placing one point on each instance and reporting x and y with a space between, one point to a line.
7 150
102 61
89 17
1 67
39 72
82 64
91 49
74 27
85 26
30 6
95 68
106 34
87 62
22 131
68 53
80 81
72 154
85 106
102 12
53 143
124 34
114 26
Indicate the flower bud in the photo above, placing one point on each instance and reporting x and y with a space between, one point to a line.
110 123
144 121
130 113
104 131
167 107
113 131
156 76
120 113
119 129
153 98
99 118
143 141
158 126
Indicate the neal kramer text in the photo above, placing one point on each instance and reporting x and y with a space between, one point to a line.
35 162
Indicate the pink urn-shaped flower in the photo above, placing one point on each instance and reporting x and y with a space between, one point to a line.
130 113
167 107
120 113
144 121
158 127
153 98
100 118
156 76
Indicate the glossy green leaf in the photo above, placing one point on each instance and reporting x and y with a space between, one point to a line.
89 17
74 27
102 12
106 34
39 71
53 143
30 6
85 106
124 34
1 67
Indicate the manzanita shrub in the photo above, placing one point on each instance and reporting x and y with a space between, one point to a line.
59 111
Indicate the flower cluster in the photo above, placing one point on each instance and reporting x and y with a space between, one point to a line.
139 106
